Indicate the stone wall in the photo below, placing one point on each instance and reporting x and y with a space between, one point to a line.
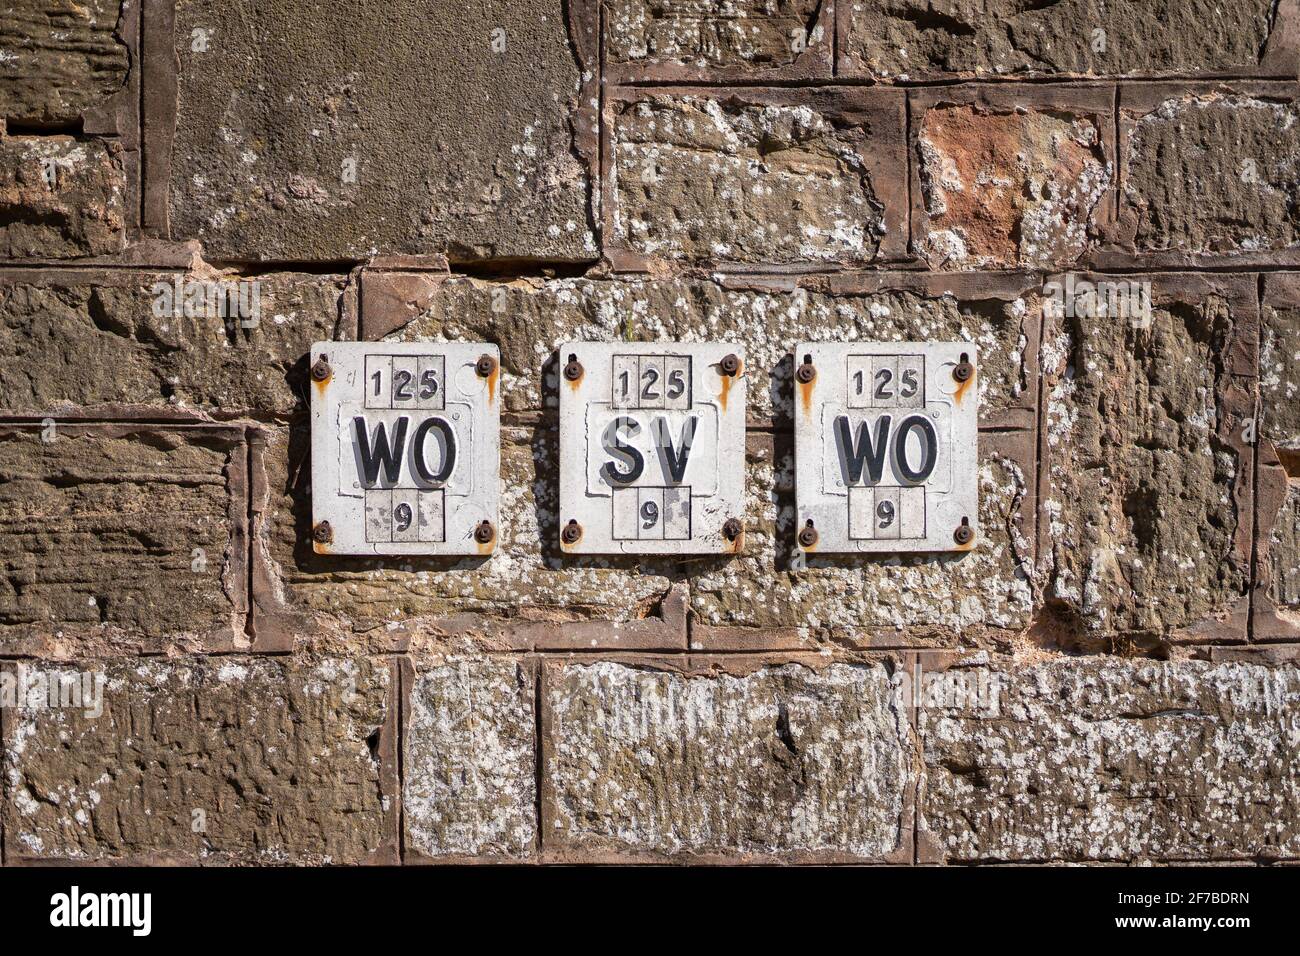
1111 674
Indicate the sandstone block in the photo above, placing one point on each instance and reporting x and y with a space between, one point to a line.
61 60
916 39
766 177
1114 760
1146 516
325 132
205 760
169 343
742 762
62 197
684 39
469 787
1011 178
130 536
1210 174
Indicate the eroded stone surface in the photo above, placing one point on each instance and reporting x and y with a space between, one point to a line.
1008 188
525 579
60 197
322 132
1215 174
89 341
58 58
221 760
1108 759
781 760
1279 374
755 33
710 179
930 599
1142 497
916 38
119 534
470 785
1284 552
529 319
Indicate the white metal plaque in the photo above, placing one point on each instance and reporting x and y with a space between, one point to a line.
652 448
886 455
405 448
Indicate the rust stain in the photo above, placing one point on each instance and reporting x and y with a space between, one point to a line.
727 380
492 384
577 382
322 385
806 394
958 395
738 545
489 547
320 548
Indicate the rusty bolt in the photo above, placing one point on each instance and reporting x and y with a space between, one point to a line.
321 370
730 364
806 372
964 534
571 533
322 533
485 533
963 371
573 370
808 536
485 366
732 528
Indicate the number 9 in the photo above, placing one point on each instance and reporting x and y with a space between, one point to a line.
650 512
402 516
885 512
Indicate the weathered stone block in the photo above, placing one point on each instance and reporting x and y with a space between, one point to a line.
1276 605
1146 516
1010 178
984 596
917 39
804 761
106 340
469 787
743 39
398 602
121 535
529 319
1113 760
209 760
60 59
763 177
321 132
60 197
1210 172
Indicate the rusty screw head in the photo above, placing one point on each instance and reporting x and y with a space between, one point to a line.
964 534
805 373
485 366
963 371
571 533
808 535
321 370
322 533
485 533
732 528
573 369
730 364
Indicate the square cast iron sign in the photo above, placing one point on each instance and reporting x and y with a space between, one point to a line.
886 455
405 448
652 448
